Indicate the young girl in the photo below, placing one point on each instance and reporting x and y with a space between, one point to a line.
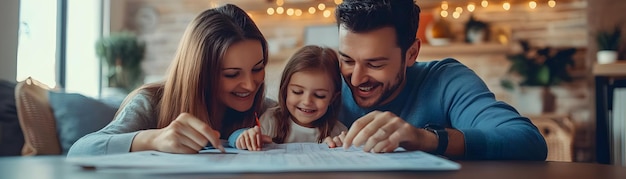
309 100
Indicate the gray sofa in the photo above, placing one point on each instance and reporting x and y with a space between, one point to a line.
36 120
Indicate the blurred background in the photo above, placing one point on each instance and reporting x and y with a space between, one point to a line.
541 56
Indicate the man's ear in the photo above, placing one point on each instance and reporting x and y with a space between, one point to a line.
413 52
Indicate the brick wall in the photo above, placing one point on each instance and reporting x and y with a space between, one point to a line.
564 26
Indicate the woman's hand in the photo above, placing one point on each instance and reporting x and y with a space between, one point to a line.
252 139
336 141
186 134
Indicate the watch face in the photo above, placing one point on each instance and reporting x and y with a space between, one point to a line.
434 127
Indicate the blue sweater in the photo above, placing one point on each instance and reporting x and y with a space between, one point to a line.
449 94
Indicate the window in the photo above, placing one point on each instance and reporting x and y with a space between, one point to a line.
36 54
84 27
40 44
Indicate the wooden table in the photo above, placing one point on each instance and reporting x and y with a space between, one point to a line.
56 167
607 77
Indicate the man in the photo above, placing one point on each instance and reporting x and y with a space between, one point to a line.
440 107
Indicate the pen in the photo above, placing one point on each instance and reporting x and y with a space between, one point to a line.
258 137
257 120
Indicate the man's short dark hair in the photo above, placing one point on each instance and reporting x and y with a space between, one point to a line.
366 15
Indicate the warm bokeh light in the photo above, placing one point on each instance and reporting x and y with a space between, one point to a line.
444 5
471 7
456 14
290 12
327 13
311 10
444 13
321 6
458 9
506 5
298 12
532 4
338 2
280 2
270 11
280 10
484 3
552 3
503 39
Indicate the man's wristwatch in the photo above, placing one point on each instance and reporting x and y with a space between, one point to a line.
442 137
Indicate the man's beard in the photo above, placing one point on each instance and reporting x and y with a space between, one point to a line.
387 93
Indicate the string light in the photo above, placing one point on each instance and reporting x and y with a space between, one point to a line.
458 9
484 3
471 7
280 2
312 10
326 13
532 4
280 10
321 6
337 2
270 11
456 14
506 5
552 3
290 12
298 12
444 5
444 13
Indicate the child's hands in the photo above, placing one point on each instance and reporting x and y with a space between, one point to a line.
336 141
252 139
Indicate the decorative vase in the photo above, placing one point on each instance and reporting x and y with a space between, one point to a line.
534 100
548 100
438 33
606 56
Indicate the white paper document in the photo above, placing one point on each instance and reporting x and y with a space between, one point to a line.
293 157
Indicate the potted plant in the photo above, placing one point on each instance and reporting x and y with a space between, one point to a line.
608 44
122 54
536 70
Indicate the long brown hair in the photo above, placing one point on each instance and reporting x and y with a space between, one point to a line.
309 58
192 83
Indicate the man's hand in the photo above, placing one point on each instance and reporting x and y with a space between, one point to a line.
186 134
252 139
384 132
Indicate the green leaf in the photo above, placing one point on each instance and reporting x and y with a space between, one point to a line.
507 85
543 75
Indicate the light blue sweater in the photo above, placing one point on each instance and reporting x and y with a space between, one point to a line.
449 94
139 114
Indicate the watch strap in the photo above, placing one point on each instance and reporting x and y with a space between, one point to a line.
442 138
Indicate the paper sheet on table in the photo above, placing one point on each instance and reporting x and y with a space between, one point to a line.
293 157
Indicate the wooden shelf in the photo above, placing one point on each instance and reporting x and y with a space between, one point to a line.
463 48
451 50
617 69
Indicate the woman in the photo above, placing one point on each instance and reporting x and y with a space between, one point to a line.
215 85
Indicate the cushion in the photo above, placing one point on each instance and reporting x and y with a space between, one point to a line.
11 137
36 119
77 115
